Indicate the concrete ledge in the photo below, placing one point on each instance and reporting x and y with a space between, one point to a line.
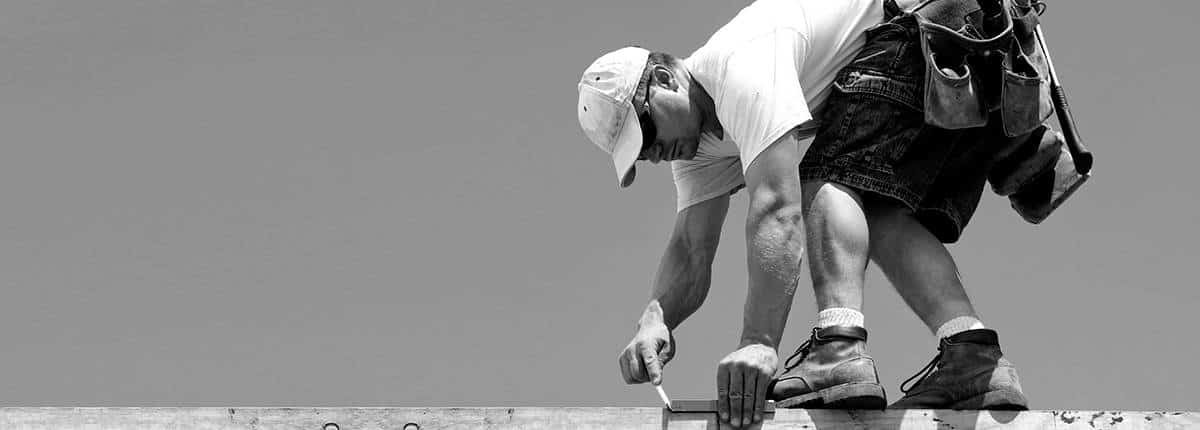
565 418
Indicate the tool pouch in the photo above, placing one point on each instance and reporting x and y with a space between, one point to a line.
1015 168
954 95
1025 101
1038 197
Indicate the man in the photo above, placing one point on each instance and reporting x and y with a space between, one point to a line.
737 114
734 114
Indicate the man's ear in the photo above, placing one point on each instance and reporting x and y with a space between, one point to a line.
664 76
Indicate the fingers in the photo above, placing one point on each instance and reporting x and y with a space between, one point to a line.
652 366
760 395
631 367
723 391
742 381
737 396
741 394
623 364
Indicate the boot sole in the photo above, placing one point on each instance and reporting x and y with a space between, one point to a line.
994 401
845 396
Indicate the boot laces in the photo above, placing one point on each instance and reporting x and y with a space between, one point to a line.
801 352
922 374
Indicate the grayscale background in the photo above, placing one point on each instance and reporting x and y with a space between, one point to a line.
390 203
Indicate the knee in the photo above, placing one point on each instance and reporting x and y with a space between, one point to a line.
830 205
833 213
828 195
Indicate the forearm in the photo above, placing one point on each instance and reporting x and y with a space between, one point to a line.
681 283
775 245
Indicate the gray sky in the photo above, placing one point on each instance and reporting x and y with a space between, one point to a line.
390 203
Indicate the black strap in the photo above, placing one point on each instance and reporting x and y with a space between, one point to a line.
843 331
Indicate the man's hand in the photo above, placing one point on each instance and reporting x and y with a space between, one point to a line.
742 378
643 359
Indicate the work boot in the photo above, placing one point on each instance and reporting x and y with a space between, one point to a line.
969 372
831 371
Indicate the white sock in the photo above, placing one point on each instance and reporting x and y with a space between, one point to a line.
958 325
839 316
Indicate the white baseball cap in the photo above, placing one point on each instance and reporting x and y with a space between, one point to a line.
611 96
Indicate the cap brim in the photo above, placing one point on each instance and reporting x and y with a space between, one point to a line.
627 148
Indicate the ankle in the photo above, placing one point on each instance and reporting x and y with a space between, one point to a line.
840 316
957 325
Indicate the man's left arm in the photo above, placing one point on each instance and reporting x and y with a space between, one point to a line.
774 247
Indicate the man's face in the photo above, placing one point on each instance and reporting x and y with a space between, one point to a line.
674 119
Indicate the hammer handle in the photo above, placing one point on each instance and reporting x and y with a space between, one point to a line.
1080 154
1083 157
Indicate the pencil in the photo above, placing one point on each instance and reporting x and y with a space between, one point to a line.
663 394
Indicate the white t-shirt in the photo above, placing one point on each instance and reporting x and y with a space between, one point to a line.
767 70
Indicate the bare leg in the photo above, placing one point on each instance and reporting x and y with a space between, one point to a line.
833 369
838 242
917 264
923 272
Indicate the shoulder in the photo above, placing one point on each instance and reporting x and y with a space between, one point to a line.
738 61
755 22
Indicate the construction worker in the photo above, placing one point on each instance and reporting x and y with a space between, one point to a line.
736 113
739 113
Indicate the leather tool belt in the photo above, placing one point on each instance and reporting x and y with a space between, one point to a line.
982 57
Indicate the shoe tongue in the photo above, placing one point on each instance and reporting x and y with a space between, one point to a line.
981 336
842 331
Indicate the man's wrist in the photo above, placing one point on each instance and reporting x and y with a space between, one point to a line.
653 315
764 340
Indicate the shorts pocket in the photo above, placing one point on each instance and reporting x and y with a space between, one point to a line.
888 50
869 121
903 92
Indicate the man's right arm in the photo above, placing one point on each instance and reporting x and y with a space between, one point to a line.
680 286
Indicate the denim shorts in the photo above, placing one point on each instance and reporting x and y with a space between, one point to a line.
873 135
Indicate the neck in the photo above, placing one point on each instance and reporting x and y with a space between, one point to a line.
708 109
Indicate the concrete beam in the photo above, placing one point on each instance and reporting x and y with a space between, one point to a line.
565 418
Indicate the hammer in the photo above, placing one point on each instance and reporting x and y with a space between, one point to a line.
1080 154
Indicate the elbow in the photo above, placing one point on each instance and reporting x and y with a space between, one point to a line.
775 206
775 239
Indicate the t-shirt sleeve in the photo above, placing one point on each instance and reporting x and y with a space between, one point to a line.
699 180
760 98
